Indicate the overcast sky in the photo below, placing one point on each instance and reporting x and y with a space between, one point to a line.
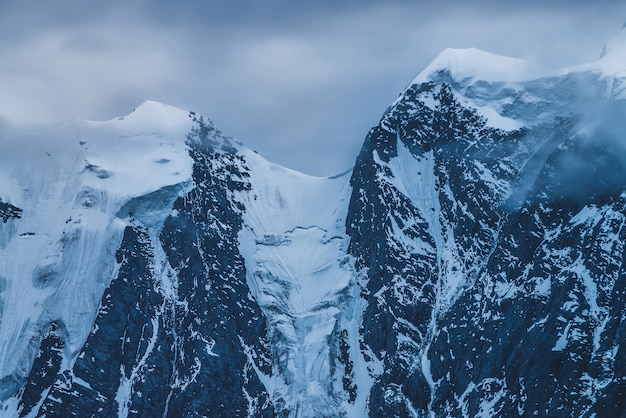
301 82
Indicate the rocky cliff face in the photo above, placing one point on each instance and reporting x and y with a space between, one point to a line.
176 331
493 257
471 264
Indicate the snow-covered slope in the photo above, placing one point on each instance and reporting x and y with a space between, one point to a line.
294 244
612 56
70 184
471 263
477 65
130 192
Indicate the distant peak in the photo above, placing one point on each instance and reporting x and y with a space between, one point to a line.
616 45
151 106
157 114
151 103
473 63
612 60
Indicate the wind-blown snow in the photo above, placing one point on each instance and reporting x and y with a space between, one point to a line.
613 57
612 62
475 64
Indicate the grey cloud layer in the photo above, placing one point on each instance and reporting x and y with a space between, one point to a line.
302 83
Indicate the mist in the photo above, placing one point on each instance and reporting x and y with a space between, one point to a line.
300 83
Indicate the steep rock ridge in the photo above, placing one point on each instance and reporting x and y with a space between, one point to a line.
541 307
175 333
172 331
430 179
470 198
59 257
129 338
221 333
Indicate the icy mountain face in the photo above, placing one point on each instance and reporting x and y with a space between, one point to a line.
294 244
422 225
170 325
169 335
471 264
61 199
489 219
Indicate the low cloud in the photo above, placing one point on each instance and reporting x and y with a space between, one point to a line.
82 72
302 84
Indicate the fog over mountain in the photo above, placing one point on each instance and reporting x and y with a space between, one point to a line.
299 82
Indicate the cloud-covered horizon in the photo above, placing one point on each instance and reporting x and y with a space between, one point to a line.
300 83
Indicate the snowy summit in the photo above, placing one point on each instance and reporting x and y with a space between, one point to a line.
475 64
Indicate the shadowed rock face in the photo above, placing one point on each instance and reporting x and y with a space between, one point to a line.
8 211
177 333
483 273
503 308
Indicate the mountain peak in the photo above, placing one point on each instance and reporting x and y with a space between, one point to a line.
150 114
616 45
153 111
612 62
473 63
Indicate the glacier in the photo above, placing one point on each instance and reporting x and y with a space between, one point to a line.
470 264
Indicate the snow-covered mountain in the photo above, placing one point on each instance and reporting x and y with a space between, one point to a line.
470 264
